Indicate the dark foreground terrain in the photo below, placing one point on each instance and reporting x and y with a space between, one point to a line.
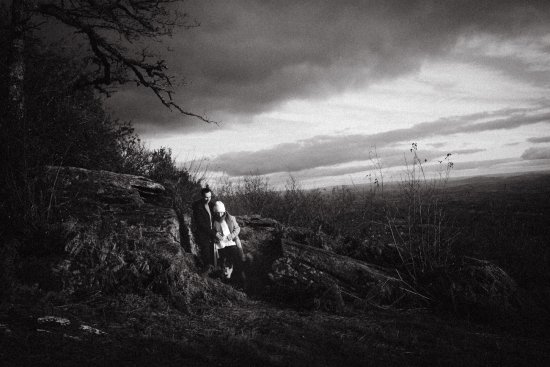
258 334
504 220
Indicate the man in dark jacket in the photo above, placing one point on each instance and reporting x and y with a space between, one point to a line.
202 218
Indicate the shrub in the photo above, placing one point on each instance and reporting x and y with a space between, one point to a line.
418 221
292 206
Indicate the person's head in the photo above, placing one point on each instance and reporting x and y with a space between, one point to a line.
219 210
206 195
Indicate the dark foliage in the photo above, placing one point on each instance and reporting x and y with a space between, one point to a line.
67 127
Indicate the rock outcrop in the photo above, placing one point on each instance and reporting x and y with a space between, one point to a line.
105 203
122 235
312 276
260 238
478 289
313 271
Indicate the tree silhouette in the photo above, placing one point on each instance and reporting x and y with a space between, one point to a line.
115 31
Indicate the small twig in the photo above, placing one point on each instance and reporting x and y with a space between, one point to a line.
415 293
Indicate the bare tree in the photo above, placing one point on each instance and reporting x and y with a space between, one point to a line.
115 30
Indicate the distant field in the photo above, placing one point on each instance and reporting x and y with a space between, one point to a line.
525 182
505 219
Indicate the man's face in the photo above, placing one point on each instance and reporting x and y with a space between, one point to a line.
206 197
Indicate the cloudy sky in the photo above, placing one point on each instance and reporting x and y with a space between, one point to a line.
315 88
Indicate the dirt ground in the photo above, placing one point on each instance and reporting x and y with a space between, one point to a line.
258 334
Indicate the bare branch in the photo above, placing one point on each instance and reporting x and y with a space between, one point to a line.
100 20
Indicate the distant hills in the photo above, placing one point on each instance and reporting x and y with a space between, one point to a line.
517 182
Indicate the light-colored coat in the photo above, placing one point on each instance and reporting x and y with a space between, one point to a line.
234 228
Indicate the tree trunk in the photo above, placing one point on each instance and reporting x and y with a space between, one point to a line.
16 66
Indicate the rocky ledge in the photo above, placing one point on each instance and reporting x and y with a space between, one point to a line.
100 202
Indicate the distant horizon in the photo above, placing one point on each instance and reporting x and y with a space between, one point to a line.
468 178
451 178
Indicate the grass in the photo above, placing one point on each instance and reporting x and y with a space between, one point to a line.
253 334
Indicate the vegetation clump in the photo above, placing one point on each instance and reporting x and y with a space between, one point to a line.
411 227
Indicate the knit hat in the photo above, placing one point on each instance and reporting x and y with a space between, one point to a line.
219 207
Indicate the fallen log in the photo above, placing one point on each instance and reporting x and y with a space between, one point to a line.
308 272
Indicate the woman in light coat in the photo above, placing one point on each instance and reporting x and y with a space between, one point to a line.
228 244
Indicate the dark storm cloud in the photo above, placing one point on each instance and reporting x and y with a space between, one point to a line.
151 118
544 139
536 153
250 55
324 150
512 66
